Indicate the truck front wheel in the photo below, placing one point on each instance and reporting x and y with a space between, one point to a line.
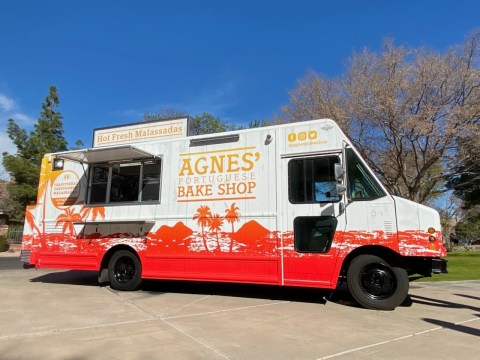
375 284
124 271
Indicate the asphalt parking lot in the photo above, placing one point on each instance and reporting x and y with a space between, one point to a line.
51 314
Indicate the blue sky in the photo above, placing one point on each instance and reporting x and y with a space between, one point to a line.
112 61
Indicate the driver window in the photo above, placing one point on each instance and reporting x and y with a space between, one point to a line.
312 180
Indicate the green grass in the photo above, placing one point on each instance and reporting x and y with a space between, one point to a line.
462 265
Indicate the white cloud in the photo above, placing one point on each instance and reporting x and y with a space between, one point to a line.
5 145
10 110
215 98
6 104
22 119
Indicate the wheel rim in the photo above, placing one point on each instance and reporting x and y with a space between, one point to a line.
377 281
124 270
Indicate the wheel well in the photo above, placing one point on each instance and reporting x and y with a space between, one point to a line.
390 256
108 255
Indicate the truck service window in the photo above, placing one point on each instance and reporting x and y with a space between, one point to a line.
99 182
361 184
125 182
151 181
312 180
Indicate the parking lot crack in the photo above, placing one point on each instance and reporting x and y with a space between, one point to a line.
196 339
134 305
395 339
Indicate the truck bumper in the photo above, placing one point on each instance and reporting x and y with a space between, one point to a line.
25 258
439 266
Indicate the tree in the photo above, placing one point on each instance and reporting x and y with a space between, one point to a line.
467 232
164 114
24 167
209 124
201 124
466 183
258 123
406 110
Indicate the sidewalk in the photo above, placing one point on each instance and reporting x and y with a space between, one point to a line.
62 315
10 253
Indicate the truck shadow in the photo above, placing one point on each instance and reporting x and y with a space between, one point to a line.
339 296
70 277
269 292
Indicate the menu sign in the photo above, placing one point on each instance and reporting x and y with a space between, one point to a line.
141 132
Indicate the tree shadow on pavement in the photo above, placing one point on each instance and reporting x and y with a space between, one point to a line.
443 303
450 305
455 327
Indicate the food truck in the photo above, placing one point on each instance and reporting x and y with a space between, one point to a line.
292 204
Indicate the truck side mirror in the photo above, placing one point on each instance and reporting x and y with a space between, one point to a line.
339 172
341 189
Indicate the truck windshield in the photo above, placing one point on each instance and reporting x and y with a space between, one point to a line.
361 184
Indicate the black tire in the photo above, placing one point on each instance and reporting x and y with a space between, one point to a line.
125 271
374 284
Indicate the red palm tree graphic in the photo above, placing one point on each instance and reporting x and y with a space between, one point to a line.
215 224
203 217
232 216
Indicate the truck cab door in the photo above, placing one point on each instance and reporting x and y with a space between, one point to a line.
313 217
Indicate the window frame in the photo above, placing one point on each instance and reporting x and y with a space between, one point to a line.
141 178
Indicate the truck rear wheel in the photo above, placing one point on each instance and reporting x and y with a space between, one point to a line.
124 271
375 284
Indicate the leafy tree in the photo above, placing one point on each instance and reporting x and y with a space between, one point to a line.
46 137
406 110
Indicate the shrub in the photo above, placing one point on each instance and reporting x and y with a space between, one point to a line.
3 243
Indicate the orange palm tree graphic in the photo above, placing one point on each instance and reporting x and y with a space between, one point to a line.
96 211
203 217
45 178
215 224
232 216
68 218
30 219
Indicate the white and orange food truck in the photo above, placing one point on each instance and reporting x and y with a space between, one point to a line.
292 204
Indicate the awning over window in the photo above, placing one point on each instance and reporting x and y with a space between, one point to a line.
103 155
